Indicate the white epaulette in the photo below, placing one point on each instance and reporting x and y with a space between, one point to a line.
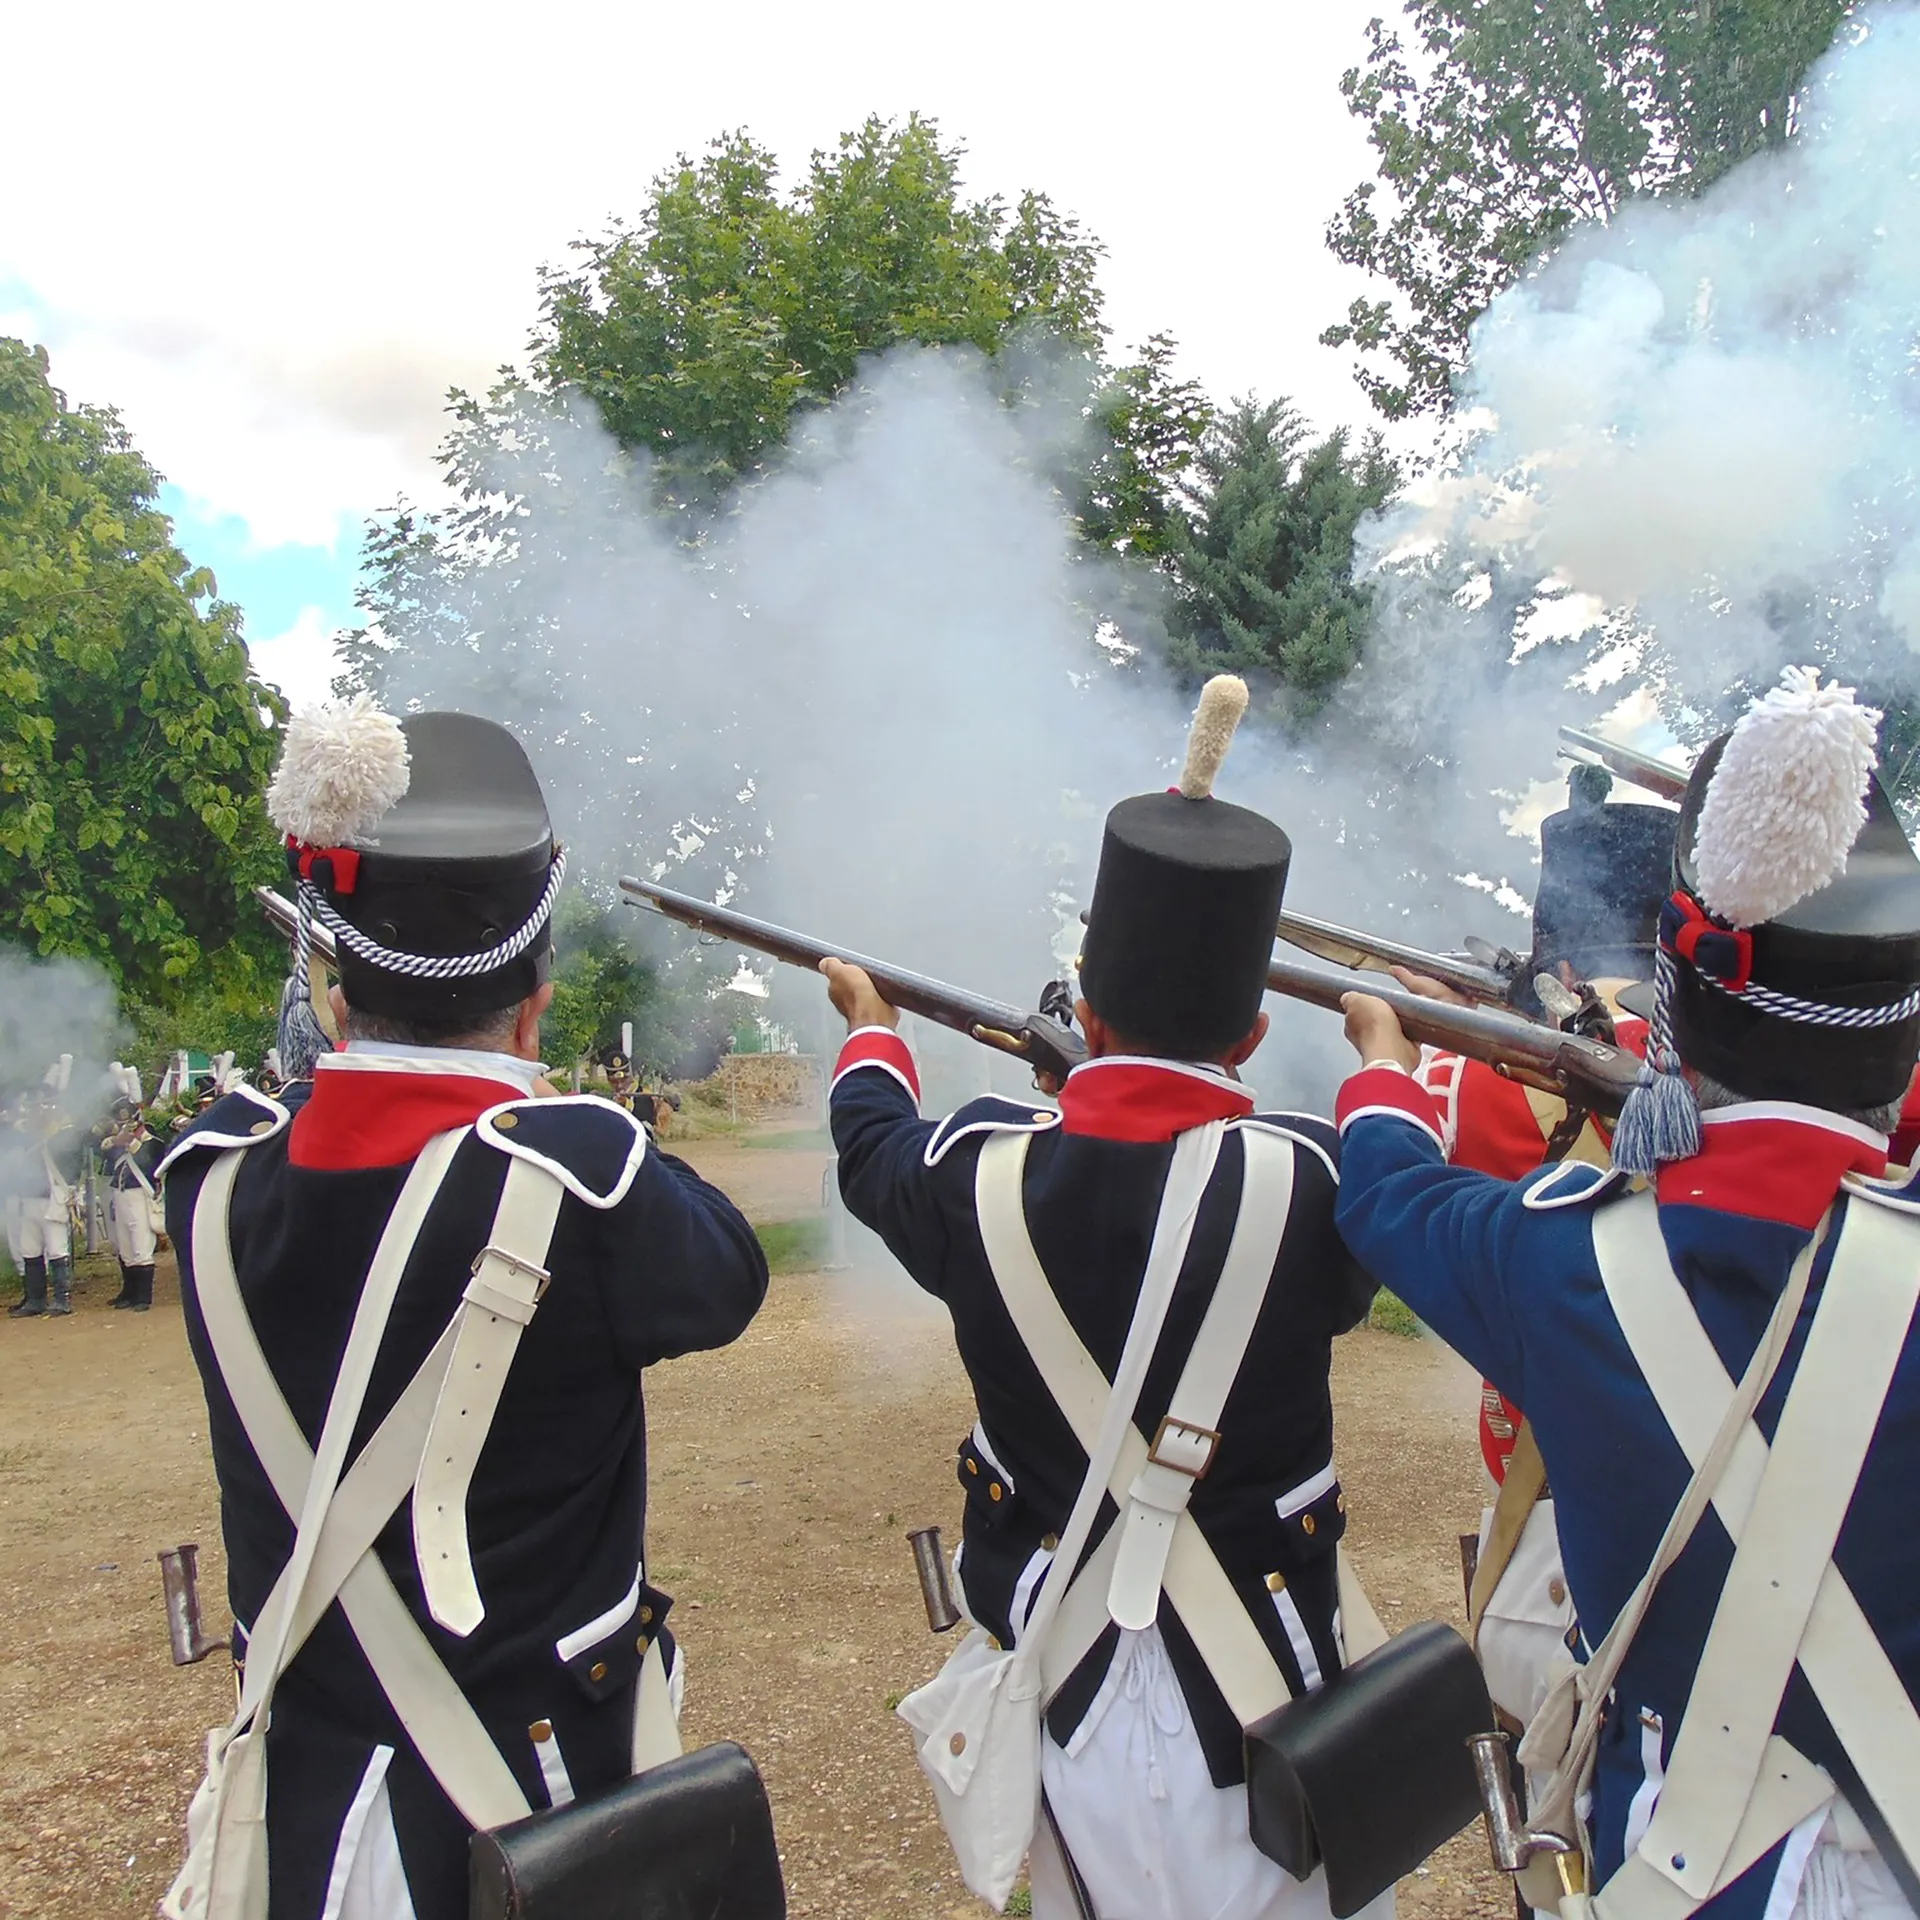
987 1116
1573 1183
592 1146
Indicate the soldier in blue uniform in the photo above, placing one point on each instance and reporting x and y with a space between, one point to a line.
420 1242
1143 1762
1742 1559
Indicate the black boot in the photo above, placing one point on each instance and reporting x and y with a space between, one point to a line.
60 1279
34 1274
141 1279
124 1298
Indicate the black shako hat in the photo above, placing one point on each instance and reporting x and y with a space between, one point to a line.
1605 869
1850 951
1789 957
425 849
1180 932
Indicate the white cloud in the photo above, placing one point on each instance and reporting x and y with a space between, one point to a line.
301 662
344 211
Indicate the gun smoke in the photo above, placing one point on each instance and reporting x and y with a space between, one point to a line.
872 698
50 1009
1692 431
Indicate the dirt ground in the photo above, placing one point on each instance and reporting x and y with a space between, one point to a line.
785 1473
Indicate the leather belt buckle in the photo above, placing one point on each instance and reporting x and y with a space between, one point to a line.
1182 1430
540 1277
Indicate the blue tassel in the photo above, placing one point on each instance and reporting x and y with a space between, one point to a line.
1661 1119
302 1038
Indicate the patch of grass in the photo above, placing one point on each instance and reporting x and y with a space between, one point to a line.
1392 1315
796 1140
792 1246
893 1700
1020 1901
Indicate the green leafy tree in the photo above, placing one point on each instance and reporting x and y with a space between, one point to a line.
700 328
1263 556
1513 119
135 743
600 982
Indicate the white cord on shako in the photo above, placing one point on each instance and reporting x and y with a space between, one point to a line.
429 966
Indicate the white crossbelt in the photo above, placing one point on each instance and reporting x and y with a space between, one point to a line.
498 1303
1732 1786
439 1720
1156 1539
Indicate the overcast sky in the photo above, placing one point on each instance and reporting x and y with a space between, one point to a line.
274 237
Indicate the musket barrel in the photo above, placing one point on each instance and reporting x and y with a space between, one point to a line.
1642 769
1008 1029
1600 1076
1346 947
284 916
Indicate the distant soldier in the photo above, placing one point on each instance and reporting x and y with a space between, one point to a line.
132 1156
52 1152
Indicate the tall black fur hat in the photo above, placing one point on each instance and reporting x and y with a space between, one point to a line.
1180 932
424 847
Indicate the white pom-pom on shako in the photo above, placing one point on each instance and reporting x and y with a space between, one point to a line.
1787 800
1222 701
340 770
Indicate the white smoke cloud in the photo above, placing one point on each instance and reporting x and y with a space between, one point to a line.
1704 413
51 1008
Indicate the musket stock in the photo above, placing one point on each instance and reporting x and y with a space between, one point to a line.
1345 947
1588 1072
1657 776
1045 1042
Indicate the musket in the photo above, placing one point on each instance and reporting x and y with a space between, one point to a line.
1042 1039
1585 1072
285 918
1492 981
1657 776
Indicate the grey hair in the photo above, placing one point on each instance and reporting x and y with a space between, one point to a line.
484 1032
1711 1094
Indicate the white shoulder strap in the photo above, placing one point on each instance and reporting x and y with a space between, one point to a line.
1732 1787
509 1276
1227 1639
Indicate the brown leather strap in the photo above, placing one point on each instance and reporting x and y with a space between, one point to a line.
1519 1492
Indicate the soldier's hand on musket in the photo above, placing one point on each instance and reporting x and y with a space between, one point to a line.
1429 989
855 998
1374 1030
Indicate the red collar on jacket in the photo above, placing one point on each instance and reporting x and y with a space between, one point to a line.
1123 1097
1772 1160
371 1111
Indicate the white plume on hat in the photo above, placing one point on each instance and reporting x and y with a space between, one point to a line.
340 770
1222 701
1787 800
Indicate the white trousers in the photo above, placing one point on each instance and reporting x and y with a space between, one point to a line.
14 1251
46 1233
1153 1837
133 1238
1819 1879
